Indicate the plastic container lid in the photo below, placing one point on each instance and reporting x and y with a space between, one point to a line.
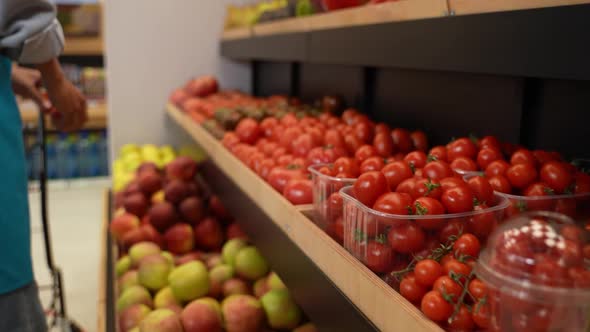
538 257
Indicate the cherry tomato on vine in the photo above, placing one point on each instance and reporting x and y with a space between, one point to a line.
352 143
416 159
445 285
379 257
490 142
369 186
456 267
427 271
364 152
299 192
452 228
462 320
429 206
478 289
556 175
451 182
464 164
523 156
438 153
407 186
363 132
333 138
539 189
411 290
346 165
383 144
402 140
419 140
406 238
467 244
248 131
372 164
435 307
481 224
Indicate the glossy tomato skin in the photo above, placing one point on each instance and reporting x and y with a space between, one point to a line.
230 139
346 165
481 315
410 289
464 164
299 192
427 188
416 159
462 320
365 152
408 186
490 142
372 164
467 244
478 289
383 144
483 223
453 227
364 132
333 138
288 136
248 131
482 189
500 184
379 257
445 285
429 206
556 175
523 156
406 238
394 203
458 199
437 170
451 182
369 186
427 271
438 153
419 140
462 147
402 140
539 189
395 173
435 307
486 156
497 167
352 143
521 175
268 125
279 177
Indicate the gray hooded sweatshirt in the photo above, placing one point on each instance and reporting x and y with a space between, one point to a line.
29 31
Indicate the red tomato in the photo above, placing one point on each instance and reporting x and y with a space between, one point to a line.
521 175
289 120
497 167
438 153
416 159
265 167
467 244
523 156
462 320
455 266
302 145
451 182
365 152
407 186
406 238
369 186
462 147
279 177
458 199
382 128
230 139
335 205
543 157
298 163
539 189
427 271
500 184
481 315
419 140
445 285
482 223
435 307
268 125
372 164
464 164
346 165
478 289
279 151
348 115
437 170
288 136
396 172
299 192
556 175
402 140
412 290
379 257
394 203
333 138
248 131
363 132
454 227
582 183
284 160
383 144
317 135
429 206
490 142
481 188
486 156
427 188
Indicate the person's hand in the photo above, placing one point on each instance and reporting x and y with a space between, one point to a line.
26 83
70 105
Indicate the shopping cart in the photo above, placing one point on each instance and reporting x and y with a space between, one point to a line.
56 312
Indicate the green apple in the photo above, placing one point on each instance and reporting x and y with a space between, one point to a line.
153 272
231 249
123 265
142 249
128 279
169 257
134 295
161 320
189 281
274 282
281 311
165 298
250 264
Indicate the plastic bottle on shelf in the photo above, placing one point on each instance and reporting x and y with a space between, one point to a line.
93 156
72 157
51 155
103 154
62 151
84 155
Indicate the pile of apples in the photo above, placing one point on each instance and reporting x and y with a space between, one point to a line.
186 266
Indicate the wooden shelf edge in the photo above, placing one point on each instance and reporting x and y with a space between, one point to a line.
102 305
83 46
236 33
379 303
97 116
467 7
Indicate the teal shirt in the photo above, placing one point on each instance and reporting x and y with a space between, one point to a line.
15 240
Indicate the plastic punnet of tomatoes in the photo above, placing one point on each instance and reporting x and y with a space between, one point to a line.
399 237
327 201
536 270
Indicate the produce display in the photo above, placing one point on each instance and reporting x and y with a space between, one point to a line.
185 264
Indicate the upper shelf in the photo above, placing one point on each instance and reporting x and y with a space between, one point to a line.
97 115
83 46
385 308
532 38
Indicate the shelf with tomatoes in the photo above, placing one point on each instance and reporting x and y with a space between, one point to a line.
334 288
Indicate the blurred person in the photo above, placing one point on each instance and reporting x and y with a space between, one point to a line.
31 35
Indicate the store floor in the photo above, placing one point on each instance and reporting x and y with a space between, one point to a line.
75 214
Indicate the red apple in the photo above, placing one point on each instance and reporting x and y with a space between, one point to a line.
193 189
131 188
235 286
123 224
131 316
152 235
149 182
175 191
136 204
209 234
199 316
179 239
218 209
191 256
132 237
242 313
163 215
234 231
192 209
202 86
182 168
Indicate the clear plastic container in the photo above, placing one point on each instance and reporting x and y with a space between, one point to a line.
328 207
363 225
537 275
576 206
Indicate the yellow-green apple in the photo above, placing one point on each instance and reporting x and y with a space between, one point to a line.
136 204
123 265
134 295
202 316
218 275
169 257
153 272
280 309
208 234
130 317
163 215
189 281
141 250
261 287
242 313
213 260
165 298
192 209
161 320
275 282
175 191
235 286
250 264
123 224
231 249
128 279
179 239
